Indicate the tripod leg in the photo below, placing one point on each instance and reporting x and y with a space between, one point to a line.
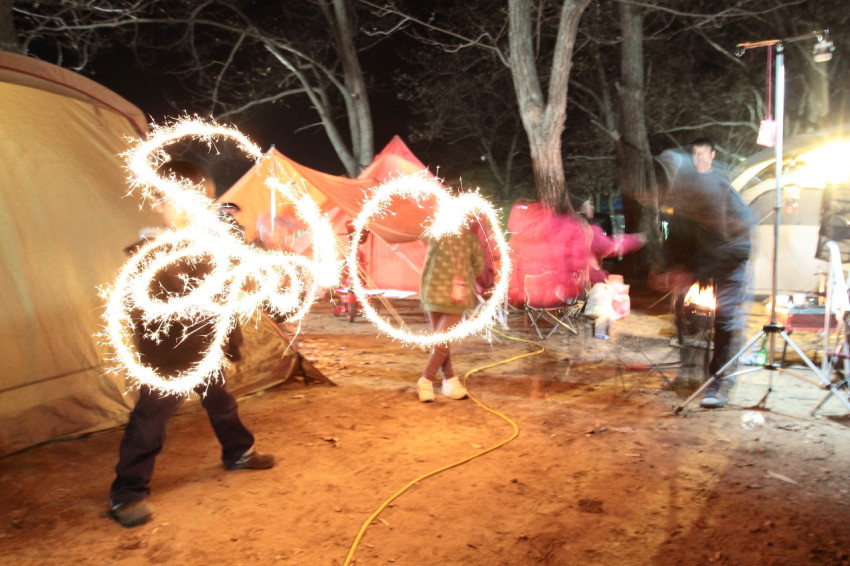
806 360
820 404
695 394
825 383
839 394
719 373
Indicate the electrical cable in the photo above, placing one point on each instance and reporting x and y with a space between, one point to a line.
410 484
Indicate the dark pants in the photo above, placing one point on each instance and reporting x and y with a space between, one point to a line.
145 434
729 292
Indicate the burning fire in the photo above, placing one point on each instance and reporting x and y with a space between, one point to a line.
703 297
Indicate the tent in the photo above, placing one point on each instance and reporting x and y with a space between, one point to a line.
64 210
393 255
813 163
65 220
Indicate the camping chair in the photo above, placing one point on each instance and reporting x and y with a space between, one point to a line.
501 319
547 300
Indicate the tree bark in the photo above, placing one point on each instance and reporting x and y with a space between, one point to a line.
357 99
634 158
544 116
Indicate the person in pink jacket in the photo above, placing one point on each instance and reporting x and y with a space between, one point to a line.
602 245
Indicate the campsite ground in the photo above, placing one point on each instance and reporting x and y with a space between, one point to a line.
600 473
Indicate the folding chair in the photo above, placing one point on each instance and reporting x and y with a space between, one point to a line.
546 299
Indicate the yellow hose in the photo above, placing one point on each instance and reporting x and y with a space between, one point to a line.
513 435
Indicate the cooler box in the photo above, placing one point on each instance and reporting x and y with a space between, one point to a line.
801 318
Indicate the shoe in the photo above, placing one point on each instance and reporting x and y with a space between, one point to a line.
717 394
252 460
131 514
425 389
452 387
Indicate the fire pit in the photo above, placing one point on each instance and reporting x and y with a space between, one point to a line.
697 317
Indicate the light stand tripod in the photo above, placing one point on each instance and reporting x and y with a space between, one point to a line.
773 330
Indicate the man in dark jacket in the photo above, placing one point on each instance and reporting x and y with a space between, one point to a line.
710 238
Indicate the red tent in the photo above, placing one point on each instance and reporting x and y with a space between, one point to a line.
393 254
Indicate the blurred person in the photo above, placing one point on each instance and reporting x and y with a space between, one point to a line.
282 232
229 212
170 352
602 245
348 301
607 299
709 238
452 264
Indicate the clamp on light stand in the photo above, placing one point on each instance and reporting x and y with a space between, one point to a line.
822 50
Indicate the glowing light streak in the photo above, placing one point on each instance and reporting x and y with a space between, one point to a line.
451 214
241 280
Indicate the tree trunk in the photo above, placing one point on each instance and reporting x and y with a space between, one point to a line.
357 101
8 37
547 166
634 159
544 116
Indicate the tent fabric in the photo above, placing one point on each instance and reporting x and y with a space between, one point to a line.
254 197
45 77
395 265
800 260
394 160
61 171
394 258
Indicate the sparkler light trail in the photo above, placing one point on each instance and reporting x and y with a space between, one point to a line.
451 214
239 281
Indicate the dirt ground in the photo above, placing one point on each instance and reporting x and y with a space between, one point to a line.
599 473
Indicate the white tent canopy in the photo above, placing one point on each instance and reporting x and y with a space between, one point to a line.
811 163
63 224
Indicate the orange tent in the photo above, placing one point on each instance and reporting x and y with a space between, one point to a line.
393 253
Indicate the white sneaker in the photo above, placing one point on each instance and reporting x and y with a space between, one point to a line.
425 388
452 387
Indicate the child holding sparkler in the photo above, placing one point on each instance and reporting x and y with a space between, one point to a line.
448 290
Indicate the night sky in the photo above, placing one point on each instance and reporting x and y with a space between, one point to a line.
284 125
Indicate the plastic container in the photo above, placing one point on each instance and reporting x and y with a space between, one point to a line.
751 420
